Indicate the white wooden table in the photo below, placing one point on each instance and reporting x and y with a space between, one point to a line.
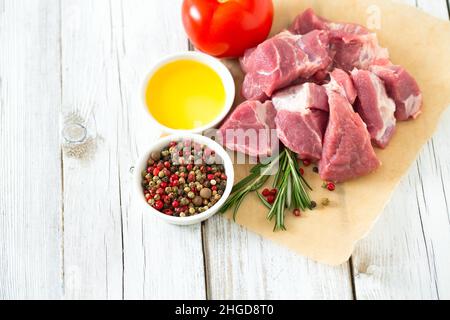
69 228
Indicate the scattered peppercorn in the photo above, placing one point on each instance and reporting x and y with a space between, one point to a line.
325 202
297 213
306 162
331 186
313 205
316 169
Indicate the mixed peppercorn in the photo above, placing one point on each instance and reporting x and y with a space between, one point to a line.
183 179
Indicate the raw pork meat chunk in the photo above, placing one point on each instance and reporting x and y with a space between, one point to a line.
402 88
357 51
375 107
347 150
345 83
302 116
352 45
279 61
309 21
249 129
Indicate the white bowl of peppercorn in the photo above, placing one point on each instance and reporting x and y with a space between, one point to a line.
184 179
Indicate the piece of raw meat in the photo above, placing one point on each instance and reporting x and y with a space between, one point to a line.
345 83
250 129
347 150
351 45
309 21
375 107
357 51
402 88
302 116
281 60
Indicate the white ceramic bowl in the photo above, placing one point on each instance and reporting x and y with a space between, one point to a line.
161 143
213 63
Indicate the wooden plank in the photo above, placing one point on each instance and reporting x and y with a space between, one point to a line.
437 8
30 168
243 265
405 256
434 171
392 262
160 261
93 264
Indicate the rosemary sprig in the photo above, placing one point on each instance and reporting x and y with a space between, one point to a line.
259 175
291 186
264 201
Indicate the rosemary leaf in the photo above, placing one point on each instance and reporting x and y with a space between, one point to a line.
264 201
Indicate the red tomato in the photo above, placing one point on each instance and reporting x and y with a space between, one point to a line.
226 28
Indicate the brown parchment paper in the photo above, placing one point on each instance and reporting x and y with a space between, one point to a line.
416 41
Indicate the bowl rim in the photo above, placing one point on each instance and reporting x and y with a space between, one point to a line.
141 163
216 65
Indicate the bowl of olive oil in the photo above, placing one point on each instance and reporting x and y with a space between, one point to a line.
188 92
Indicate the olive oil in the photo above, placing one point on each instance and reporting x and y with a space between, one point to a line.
185 95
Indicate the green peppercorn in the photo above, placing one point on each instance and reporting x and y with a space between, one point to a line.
191 210
165 153
217 196
161 174
191 195
325 202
